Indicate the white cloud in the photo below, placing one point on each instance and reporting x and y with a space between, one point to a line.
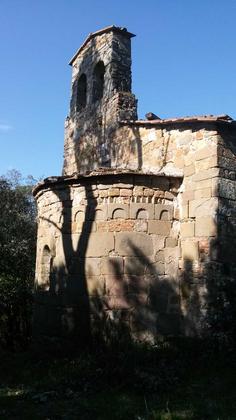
5 127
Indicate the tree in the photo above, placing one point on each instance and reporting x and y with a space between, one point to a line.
17 258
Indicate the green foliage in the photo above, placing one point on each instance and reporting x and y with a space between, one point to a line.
180 380
17 257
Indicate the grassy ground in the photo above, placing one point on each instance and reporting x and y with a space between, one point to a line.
171 381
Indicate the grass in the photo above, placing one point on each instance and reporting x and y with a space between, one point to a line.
166 382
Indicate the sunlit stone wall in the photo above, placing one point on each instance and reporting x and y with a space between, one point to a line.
112 241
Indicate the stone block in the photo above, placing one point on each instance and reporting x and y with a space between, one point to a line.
203 207
78 198
199 135
203 193
116 285
97 244
123 185
227 163
118 211
116 226
85 227
187 229
189 250
78 213
158 243
226 189
163 212
154 270
206 174
172 255
159 227
176 215
189 170
206 152
199 185
160 256
133 244
187 195
112 265
179 161
205 226
148 192
140 225
134 265
103 187
95 285
137 284
208 163
141 211
98 213
113 192
125 192
172 269
211 133
189 158
170 242
92 266
137 191
185 138
169 195
159 194
103 193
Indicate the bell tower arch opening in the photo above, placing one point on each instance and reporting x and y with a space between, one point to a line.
98 81
81 99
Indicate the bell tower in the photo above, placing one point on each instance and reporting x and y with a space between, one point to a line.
101 97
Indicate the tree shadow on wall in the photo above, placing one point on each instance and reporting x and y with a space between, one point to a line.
139 302
208 287
220 278
63 311
135 295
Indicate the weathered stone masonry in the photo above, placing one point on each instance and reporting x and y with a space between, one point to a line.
139 232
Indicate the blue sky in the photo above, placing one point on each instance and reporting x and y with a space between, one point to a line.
184 63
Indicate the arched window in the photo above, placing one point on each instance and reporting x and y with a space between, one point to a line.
46 263
98 81
81 99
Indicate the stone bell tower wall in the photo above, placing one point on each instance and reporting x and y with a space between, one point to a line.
104 63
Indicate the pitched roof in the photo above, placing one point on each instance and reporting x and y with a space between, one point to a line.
112 28
198 118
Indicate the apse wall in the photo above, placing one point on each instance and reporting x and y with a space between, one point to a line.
108 254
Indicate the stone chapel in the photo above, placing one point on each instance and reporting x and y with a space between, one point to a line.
138 234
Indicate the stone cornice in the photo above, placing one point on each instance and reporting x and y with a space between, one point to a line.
101 172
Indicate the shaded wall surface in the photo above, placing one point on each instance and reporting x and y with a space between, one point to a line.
108 250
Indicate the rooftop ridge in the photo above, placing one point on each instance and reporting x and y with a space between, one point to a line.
113 28
198 118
